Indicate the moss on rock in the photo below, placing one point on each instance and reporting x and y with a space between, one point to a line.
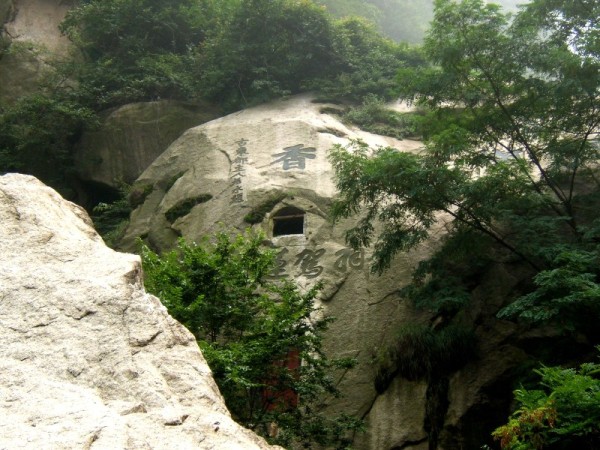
184 207
257 214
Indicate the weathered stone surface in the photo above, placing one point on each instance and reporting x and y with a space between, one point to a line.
36 21
240 160
32 30
265 159
132 137
6 10
87 358
396 418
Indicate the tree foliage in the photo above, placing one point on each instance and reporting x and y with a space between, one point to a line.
135 50
233 52
37 136
266 48
251 330
512 148
510 163
563 413
364 63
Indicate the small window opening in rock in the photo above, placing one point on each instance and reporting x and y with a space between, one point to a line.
288 220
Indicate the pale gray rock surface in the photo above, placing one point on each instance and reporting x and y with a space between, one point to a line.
6 10
31 28
396 418
36 21
243 161
265 159
132 136
88 359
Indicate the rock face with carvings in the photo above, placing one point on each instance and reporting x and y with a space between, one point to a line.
267 167
87 358
242 169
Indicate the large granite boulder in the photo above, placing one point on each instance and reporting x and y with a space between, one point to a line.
131 137
242 168
267 167
87 358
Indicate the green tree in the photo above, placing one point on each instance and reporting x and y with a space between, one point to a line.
265 49
510 161
37 135
136 50
563 413
364 63
253 332
511 151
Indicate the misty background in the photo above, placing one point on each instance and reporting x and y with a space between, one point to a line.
401 20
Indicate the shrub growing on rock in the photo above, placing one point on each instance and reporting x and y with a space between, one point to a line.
254 332
564 412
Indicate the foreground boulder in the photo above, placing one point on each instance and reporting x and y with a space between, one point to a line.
88 359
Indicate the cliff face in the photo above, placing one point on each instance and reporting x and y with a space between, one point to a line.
131 137
29 30
87 358
268 166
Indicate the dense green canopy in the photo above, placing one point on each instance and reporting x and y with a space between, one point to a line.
511 164
233 53
511 149
254 330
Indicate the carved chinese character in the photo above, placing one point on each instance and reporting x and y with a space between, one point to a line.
348 258
295 157
280 263
241 150
308 261
242 142
240 160
238 171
